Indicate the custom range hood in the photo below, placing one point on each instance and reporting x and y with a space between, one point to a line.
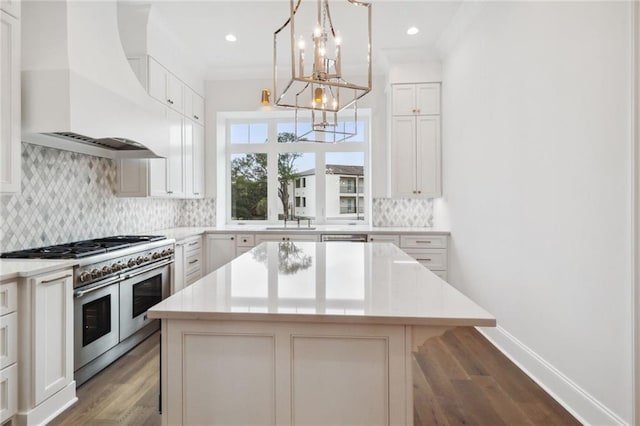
78 91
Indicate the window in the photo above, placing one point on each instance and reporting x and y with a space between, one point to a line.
270 176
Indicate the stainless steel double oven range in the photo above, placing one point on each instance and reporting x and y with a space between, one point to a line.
117 280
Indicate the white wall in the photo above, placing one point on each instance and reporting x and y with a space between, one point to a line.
537 172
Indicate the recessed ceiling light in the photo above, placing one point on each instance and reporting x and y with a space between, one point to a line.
413 31
230 37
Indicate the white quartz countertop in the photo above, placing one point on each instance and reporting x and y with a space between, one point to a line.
181 233
13 268
373 283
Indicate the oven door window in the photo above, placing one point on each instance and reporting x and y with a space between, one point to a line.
96 319
146 294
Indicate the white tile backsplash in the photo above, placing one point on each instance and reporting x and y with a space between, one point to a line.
67 196
402 212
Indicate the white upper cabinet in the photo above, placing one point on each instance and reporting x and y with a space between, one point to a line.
197 169
164 86
175 162
9 100
193 106
415 141
181 174
416 99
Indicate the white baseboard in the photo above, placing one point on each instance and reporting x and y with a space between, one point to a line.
584 407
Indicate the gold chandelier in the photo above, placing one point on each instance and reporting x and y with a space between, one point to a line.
321 85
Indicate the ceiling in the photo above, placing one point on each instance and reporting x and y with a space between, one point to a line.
200 28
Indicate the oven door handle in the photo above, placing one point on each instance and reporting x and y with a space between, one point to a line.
151 268
103 284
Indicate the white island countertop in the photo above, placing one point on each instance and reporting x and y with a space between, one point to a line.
355 283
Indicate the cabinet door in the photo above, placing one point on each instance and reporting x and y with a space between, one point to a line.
132 178
175 90
403 157
221 249
177 283
53 333
157 81
428 99
428 175
403 99
175 175
198 108
9 103
198 161
188 157
158 177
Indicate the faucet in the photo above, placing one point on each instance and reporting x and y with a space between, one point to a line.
298 218
285 220
308 222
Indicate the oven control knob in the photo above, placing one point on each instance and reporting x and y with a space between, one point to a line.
85 276
170 251
156 255
139 260
106 270
164 252
146 258
116 267
96 273
132 262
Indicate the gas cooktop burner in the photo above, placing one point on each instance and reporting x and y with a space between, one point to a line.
81 249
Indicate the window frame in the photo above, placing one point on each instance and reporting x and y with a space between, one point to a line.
272 148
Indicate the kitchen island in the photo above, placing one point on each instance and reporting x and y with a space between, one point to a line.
304 333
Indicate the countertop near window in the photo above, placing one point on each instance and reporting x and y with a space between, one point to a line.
13 268
186 232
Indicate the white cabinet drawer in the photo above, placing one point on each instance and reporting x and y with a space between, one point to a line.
193 263
246 240
431 258
8 297
193 245
376 238
423 241
8 392
8 339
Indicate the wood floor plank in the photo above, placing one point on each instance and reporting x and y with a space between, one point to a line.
428 411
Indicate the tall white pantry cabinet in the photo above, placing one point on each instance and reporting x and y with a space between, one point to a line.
10 97
416 147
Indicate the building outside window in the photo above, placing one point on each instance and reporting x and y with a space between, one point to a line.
270 176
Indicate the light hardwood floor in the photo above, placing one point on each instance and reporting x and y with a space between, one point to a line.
459 379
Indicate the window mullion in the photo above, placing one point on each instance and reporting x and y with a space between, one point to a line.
272 170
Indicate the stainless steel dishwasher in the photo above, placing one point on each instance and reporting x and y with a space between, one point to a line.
358 238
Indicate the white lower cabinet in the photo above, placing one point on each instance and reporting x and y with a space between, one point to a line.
8 350
381 238
260 238
221 249
187 267
45 324
429 250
